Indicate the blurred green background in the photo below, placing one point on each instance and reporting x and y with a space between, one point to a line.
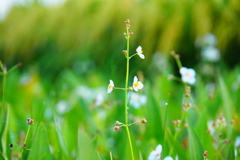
71 50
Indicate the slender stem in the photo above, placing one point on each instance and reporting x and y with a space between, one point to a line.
121 88
132 55
3 91
178 131
126 98
111 155
25 141
178 63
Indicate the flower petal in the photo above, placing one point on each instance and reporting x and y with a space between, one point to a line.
139 49
159 148
141 55
135 79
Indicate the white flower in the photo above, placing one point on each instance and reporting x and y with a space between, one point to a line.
137 100
137 85
188 75
237 142
62 107
110 86
156 154
139 52
211 54
210 39
99 100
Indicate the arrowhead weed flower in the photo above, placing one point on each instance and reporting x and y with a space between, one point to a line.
139 52
110 86
156 154
137 85
188 75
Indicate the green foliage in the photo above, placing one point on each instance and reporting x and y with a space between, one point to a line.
39 35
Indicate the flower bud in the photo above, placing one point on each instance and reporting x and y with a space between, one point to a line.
116 128
185 125
124 51
144 120
170 76
117 123
188 89
130 33
130 89
177 56
127 21
227 141
127 25
11 146
220 136
174 122
172 53
233 121
30 121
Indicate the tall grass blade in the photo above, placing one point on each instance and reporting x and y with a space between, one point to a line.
40 148
195 146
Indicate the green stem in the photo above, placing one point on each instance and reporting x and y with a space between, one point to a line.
25 141
179 63
4 87
132 55
121 88
111 155
126 98
178 132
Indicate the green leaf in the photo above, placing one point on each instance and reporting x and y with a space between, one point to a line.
60 137
40 148
4 128
231 155
86 150
100 156
140 156
226 98
195 146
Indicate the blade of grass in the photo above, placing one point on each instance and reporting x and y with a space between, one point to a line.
195 146
60 137
85 148
40 147
231 155
4 129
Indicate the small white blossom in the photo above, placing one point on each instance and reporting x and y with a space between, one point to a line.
211 54
137 100
110 86
237 142
210 39
62 107
137 85
188 75
139 52
99 100
156 154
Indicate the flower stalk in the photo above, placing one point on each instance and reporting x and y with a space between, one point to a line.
126 92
